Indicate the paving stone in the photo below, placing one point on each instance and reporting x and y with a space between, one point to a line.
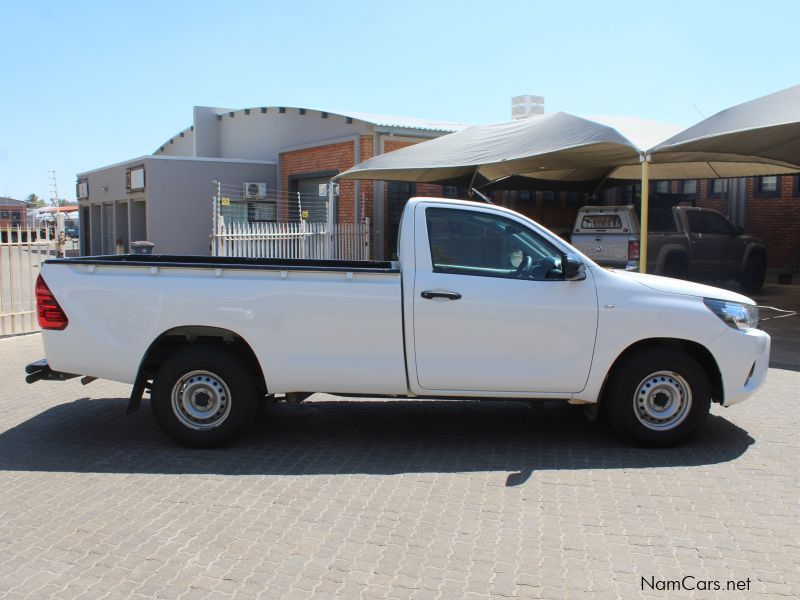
387 499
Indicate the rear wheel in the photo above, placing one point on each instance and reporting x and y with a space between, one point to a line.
202 397
752 278
657 397
676 268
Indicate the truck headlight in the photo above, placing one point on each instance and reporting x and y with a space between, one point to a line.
743 317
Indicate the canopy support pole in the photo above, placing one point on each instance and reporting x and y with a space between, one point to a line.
471 187
643 227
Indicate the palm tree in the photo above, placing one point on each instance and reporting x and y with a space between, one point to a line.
34 201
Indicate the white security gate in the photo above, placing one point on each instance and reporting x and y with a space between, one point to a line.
252 221
291 240
21 253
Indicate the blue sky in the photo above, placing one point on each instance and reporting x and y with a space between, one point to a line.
85 84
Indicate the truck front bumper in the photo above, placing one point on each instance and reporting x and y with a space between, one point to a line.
743 360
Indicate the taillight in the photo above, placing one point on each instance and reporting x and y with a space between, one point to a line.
50 314
633 249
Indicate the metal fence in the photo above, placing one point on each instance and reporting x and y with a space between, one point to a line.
22 250
348 241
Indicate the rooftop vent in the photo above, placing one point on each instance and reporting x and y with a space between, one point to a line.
523 107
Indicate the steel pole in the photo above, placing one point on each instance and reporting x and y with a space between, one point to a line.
645 197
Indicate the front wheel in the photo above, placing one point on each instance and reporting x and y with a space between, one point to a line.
754 274
202 397
657 397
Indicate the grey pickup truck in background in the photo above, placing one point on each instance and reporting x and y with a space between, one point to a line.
684 242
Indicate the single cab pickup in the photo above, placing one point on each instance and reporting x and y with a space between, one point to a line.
483 303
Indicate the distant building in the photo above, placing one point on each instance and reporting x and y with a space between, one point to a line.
285 155
13 213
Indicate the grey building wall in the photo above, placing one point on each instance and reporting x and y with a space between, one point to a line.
173 211
182 144
206 132
257 135
179 212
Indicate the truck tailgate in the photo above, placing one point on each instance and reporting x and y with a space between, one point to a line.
603 233
604 248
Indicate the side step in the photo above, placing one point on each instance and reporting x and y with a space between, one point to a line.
40 370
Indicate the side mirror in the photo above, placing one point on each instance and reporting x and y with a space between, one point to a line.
738 230
572 268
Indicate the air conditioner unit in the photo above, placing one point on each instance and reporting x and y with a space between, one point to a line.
323 189
255 190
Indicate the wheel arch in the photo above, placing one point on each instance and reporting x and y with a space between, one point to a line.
670 253
696 350
752 249
186 335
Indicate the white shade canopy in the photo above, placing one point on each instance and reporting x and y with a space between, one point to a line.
556 146
760 137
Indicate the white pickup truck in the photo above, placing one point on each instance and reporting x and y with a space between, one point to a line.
483 303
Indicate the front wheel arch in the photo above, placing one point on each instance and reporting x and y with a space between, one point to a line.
659 396
697 351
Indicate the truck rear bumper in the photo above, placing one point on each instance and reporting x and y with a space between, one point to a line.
624 266
743 360
40 370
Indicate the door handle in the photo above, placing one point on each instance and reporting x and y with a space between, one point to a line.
429 295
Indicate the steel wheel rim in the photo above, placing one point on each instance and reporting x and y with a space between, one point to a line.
201 400
662 400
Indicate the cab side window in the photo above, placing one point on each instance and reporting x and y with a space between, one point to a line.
697 222
718 225
466 242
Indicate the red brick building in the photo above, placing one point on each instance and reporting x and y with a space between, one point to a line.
13 213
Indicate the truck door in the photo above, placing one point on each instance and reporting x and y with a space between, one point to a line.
704 247
729 248
491 311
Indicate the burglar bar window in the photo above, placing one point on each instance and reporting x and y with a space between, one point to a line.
768 185
450 191
83 189
551 199
689 188
134 179
717 187
575 199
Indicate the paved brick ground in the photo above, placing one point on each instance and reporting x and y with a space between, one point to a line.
399 500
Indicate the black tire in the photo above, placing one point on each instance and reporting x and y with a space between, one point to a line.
203 377
641 381
676 268
755 271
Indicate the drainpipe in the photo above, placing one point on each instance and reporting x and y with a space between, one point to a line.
377 200
357 184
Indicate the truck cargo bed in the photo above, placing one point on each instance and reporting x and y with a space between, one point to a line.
231 262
